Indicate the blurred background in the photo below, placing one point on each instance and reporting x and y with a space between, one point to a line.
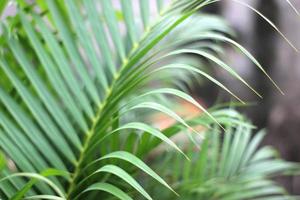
279 114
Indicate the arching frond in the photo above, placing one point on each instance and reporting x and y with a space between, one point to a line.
75 74
229 167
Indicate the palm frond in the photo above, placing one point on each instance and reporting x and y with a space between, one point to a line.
73 71
233 167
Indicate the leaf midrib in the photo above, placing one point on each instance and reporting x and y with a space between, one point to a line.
88 137
101 106
96 119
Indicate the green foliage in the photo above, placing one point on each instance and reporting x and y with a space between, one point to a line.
72 94
2 6
229 167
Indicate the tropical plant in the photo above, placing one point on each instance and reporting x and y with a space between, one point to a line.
73 88
229 169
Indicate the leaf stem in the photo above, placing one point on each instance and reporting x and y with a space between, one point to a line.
95 120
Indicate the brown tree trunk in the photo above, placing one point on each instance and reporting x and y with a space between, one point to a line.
284 119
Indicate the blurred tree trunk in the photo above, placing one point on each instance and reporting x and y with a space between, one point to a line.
284 119
265 48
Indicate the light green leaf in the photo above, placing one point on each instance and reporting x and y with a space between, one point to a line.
215 60
148 129
38 177
194 69
123 155
184 96
112 169
109 189
51 197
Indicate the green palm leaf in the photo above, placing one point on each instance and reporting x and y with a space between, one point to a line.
230 169
73 73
